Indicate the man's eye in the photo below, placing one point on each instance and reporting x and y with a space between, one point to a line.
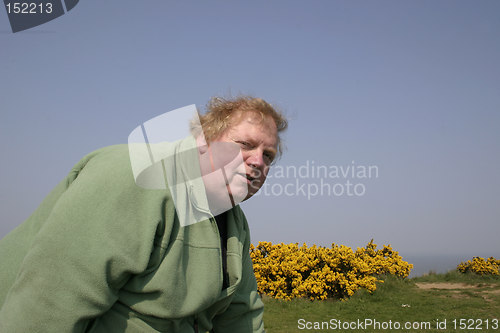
244 144
268 158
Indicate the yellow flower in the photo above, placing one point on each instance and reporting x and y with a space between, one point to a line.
287 271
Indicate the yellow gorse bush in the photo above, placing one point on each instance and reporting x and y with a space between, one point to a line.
286 271
480 266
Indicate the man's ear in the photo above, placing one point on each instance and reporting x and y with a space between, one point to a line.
201 143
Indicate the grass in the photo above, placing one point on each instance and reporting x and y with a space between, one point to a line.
469 297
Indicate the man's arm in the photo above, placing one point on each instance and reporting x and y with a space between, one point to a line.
95 237
245 313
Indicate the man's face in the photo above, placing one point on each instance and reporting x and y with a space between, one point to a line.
257 139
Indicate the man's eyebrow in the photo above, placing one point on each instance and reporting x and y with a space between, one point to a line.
271 150
252 141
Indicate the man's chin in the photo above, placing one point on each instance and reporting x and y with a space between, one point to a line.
247 197
242 192
251 193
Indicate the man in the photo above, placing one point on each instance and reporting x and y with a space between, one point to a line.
102 254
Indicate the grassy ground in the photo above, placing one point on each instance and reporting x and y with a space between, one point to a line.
424 301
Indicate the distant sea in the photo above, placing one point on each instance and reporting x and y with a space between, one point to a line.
423 264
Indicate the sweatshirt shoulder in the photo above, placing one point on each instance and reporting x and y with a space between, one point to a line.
108 171
108 162
112 156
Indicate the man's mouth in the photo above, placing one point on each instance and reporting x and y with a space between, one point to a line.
249 177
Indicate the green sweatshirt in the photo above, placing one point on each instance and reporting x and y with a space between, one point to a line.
102 254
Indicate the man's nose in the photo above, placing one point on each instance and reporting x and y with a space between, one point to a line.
256 159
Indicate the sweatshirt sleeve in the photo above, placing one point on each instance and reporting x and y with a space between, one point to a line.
99 232
245 313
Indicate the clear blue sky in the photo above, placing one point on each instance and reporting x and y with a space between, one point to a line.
411 87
